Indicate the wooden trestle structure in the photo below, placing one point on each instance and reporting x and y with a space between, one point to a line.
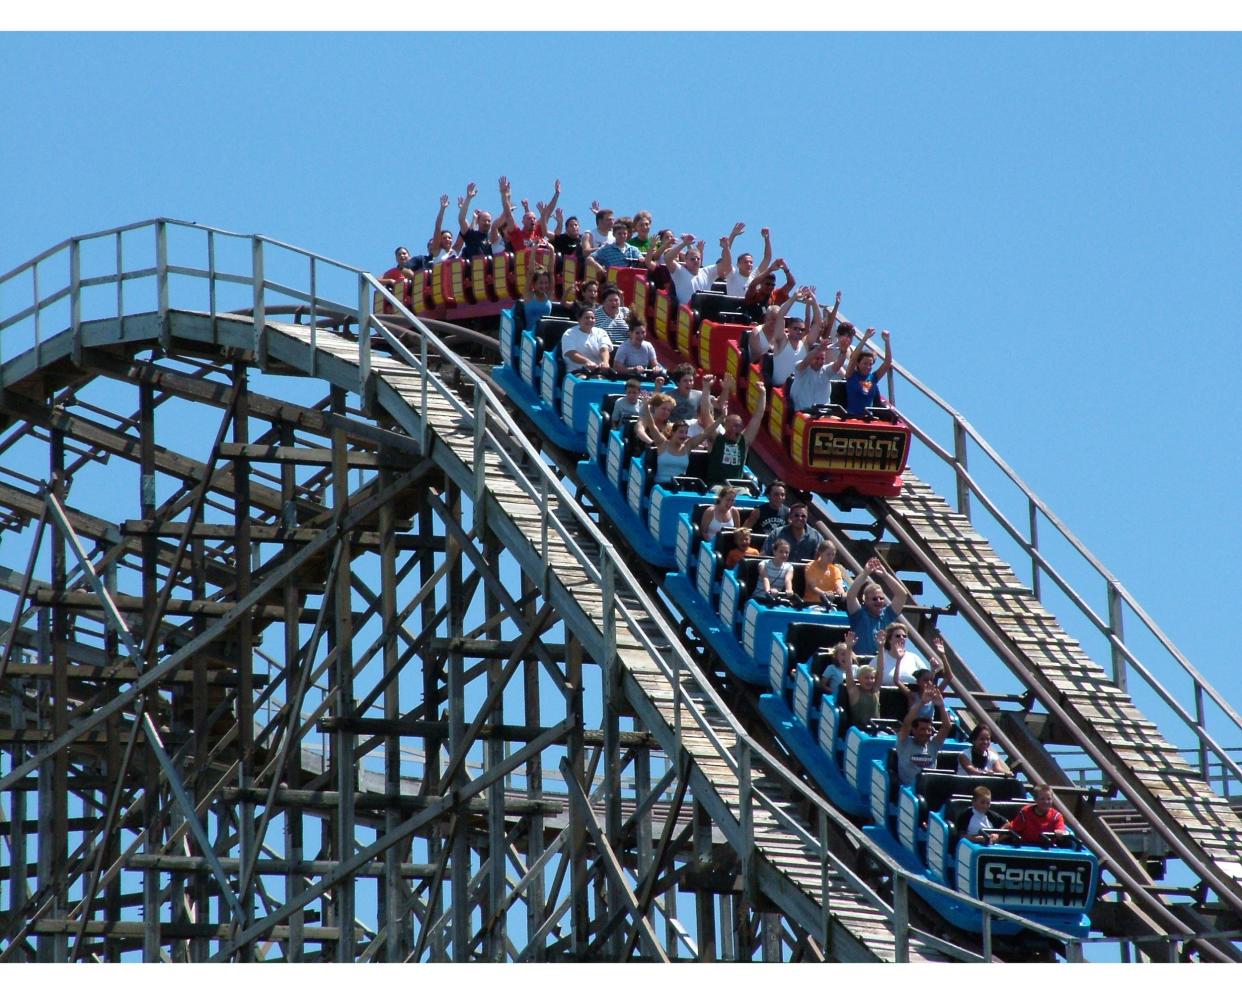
313 657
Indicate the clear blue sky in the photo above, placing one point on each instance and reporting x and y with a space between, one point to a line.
1051 225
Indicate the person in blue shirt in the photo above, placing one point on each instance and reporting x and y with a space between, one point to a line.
875 611
538 303
862 376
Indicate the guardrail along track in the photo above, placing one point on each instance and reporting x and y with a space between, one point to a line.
1197 823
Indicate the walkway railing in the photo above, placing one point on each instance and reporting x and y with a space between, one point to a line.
101 280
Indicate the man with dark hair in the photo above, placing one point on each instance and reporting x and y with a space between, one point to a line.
737 281
616 253
918 744
1034 820
636 356
685 397
602 233
401 271
566 238
803 541
611 316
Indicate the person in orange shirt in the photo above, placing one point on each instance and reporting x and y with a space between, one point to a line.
825 580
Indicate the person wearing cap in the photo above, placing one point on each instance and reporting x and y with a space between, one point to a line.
615 253
762 291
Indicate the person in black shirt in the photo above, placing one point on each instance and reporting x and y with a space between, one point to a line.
475 240
567 238
771 517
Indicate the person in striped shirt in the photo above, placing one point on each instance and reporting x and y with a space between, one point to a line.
612 317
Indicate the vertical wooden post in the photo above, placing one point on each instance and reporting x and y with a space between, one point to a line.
344 760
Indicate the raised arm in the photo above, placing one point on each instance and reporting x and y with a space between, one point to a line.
706 421
790 282
897 593
560 223
670 253
725 266
766 261
506 201
463 207
887 364
858 352
933 693
545 210
439 225
945 676
852 605
756 419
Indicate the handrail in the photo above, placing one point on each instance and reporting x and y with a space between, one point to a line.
497 429
1112 630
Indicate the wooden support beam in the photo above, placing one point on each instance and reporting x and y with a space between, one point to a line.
301 456
366 801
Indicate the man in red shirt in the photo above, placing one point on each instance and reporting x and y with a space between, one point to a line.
1032 821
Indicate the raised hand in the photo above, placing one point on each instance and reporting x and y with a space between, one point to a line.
766 232
504 185
738 228
724 243
868 334
703 245
687 238
444 200
874 565
540 206
559 214
885 335
595 208
461 201
557 187
778 264
526 205
472 190
849 638
838 297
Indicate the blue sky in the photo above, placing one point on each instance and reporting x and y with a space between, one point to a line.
1049 224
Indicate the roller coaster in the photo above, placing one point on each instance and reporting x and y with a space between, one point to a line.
403 656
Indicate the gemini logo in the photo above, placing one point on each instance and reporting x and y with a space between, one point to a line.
837 447
1043 883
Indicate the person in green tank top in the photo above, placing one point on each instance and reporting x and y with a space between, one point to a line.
727 456
864 695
